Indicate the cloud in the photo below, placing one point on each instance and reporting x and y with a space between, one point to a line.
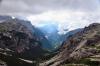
68 14
0 0
27 7
65 19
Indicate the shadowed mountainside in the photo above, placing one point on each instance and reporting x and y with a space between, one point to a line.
19 39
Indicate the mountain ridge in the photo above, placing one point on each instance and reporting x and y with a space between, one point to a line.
80 45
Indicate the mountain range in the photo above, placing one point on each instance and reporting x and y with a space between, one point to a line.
23 44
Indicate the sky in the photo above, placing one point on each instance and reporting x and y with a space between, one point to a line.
68 14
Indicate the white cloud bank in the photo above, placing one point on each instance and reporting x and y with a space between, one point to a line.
66 19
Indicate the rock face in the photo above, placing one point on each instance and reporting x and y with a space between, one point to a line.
18 35
82 44
18 39
9 23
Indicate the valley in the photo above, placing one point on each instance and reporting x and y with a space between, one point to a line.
22 44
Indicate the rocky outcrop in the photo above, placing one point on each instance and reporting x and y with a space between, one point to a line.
18 39
80 45
9 23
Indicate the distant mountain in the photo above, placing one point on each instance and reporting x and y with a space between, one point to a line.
51 33
81 48
44 41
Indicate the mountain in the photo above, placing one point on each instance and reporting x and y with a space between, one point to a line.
80 49
29 28
44 41
19 40
51 33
